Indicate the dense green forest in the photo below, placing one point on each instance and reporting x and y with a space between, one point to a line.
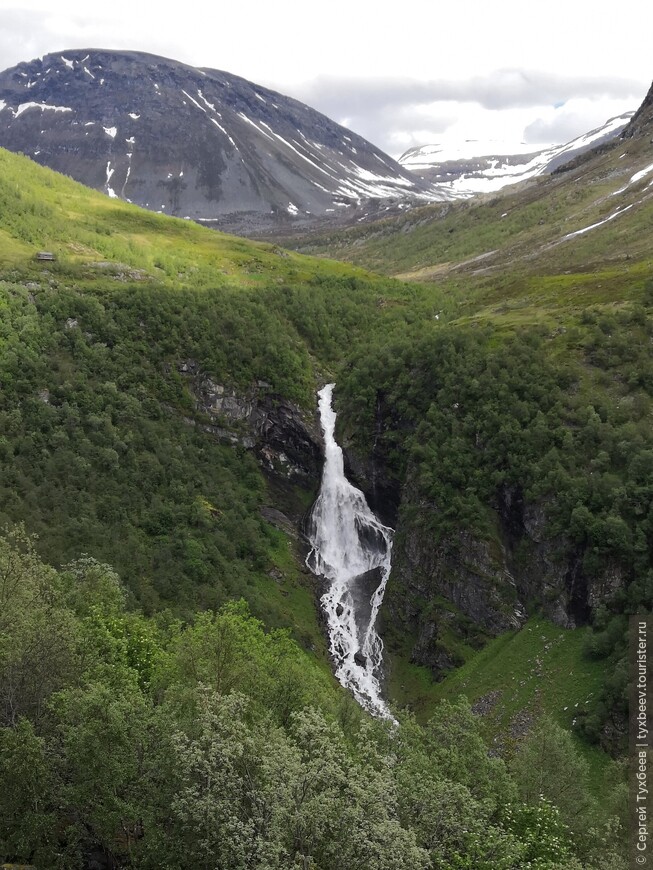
152 742
177 708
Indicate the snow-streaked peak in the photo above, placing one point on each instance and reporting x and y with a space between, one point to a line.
254 158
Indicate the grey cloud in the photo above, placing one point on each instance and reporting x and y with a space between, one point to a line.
562 129
501 89
388 129
22 37
26 35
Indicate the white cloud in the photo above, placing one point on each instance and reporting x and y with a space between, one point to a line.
575 117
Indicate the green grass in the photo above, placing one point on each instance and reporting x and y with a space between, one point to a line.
285 597
516 677
541 666
42 210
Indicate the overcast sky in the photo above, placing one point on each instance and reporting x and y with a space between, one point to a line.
400 74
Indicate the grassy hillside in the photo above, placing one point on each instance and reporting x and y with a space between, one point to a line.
44 210
511 683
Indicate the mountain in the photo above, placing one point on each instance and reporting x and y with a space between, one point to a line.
191 142
551 224
474 167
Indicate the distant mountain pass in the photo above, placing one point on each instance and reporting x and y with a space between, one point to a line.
195 143
474 167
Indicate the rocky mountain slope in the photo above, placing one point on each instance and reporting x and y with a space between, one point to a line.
194 143
474 167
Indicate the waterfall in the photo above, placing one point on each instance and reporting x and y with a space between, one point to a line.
351 549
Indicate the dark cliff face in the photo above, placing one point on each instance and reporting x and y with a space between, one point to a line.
190 142
472 588
475 588
642 121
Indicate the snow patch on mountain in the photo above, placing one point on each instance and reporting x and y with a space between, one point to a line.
611 217
107 184
23 107
635 178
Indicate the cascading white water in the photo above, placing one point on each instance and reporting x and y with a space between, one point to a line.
347 542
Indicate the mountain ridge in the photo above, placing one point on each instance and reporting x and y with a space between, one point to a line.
546 225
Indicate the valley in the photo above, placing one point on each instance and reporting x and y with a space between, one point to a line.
162 450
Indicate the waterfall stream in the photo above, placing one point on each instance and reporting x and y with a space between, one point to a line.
351 549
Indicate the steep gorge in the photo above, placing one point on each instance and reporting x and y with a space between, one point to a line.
500 511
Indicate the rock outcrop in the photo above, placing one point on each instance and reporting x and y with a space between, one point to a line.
286 441
642 121
468 588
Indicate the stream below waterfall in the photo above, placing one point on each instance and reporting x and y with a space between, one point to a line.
351 549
